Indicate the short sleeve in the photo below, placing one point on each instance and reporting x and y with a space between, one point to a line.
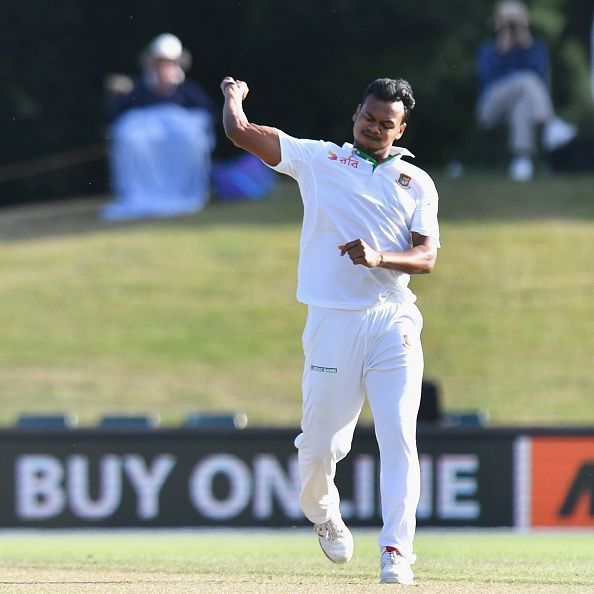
424 219
295 154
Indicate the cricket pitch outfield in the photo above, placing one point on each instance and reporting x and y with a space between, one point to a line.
288 560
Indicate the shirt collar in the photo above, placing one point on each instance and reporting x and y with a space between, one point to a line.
396 152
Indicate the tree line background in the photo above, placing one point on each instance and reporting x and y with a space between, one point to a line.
306 62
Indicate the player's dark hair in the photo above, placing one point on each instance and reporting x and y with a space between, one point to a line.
391 89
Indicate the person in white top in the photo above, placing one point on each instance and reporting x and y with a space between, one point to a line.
369 222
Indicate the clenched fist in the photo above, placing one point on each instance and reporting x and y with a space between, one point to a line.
361 253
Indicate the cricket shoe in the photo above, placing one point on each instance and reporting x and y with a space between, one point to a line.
395 569
521 169
335 539
558 133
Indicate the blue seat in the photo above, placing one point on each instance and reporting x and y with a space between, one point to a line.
130 421
49 421
213 420
478 418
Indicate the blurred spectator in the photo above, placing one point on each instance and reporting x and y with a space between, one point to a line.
162 137
514 72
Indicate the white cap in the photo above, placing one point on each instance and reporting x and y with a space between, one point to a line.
165 46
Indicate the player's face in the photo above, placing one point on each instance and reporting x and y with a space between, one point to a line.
378 124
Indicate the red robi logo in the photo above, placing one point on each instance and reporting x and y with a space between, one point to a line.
343 160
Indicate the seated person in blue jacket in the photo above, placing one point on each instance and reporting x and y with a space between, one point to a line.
162 137
514 72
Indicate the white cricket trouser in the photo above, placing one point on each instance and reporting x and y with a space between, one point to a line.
349 354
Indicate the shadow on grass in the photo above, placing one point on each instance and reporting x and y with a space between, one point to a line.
82 216
475 197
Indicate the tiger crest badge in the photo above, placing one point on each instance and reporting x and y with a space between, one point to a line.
404 180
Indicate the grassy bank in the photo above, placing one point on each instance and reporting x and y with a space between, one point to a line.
199 312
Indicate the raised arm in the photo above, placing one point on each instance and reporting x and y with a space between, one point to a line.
262 141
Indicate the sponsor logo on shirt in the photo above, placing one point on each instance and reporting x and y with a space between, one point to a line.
324 369
404 180
350 161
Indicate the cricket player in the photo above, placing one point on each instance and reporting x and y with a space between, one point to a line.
369 222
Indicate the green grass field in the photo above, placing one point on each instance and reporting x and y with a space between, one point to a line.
289 561
199 313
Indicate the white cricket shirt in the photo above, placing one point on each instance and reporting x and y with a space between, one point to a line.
346 197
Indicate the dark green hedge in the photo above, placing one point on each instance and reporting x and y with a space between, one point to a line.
306 61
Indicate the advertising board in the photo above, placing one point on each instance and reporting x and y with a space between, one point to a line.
192 478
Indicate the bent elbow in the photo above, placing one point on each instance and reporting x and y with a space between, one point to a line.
234 134
429 263
234 130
